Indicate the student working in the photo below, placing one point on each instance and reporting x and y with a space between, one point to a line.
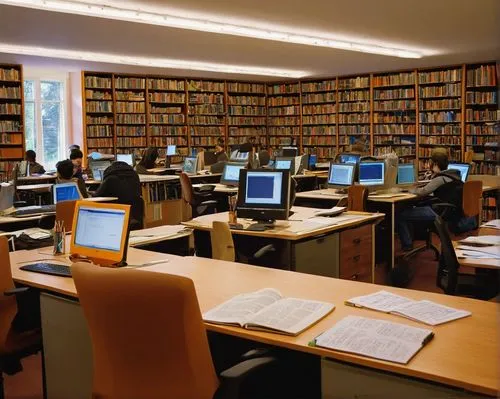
32 166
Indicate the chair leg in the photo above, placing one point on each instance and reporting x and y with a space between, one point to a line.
2 393
431 246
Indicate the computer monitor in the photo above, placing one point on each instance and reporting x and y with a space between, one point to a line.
264 195
237 156
98 174
341 175
189 166
66 192
98 167
285 163
290 151
231 173
463 168
348 158
209 158
313 158
406 174
127 158
372 173
171 150
100 232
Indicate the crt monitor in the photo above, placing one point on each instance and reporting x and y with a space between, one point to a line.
264 195
341 175
66 192
238 156
463 168
231 173
189 165
406 173
285 163
127 158
313 158
372 173
290 151
348 158
171 150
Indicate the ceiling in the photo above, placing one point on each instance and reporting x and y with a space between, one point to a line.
457 31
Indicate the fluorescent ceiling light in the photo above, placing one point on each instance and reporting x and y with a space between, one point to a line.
148 62
140 15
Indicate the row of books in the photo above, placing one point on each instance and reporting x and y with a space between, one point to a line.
443 116
439 129
397 79
97 82
393 94
247 100
167 130
245 131
168 140
13 109
284 131
283 88
394 105
319 109
10 126
290 110
486 115
393 129
395 118
318 130
319 140
99 131
198 98
103 150
397 139
481 97
358 95
207 109
172 119
158 109
207 131
322 152
453 153
131 119
318 119
130 83
99 106
206 120
168 98
6 169
284 121
249 120
485 169
282 101
449 140
358 82
8 138
325 85
101 142
482 130
446 90
400 151
122 107
429 105
354 107
131 142
246 110
129 96
257 88
275 141
130 131
319 98
9 74
355 129
449 75
204 140
99 120
484 75
98 95
205 85
354 118
481 140
243 139
166 84
13 93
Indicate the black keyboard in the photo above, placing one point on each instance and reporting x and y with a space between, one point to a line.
34 210
48 268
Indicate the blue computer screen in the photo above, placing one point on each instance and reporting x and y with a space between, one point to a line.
406 174
283 164
263 188
341 175
66 192
462 168
371 173
349 158
312 160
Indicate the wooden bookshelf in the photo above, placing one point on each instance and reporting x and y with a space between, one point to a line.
246 112
440 112
394 114
11 118
482 117
353 111
283 114
319 118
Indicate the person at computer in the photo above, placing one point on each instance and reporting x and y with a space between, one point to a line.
253 162
148 161
33 167
122 181
76 158
65 174
220 153
443 186
73 147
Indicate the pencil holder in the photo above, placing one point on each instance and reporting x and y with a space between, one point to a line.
232 217
59 242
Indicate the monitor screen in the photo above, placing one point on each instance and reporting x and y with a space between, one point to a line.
290 151
283 164
263 188
406 173
189 165
171 150
371 173
231 173
242 156
463 168
312 160
66 192
348 158
98 174
127 158
341 174
99 228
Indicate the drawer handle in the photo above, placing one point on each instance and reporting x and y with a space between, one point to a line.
354 276
356 258
356 240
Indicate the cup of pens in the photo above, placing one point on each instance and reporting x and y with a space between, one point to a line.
232 200
59 238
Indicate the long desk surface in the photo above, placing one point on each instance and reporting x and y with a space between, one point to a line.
463 354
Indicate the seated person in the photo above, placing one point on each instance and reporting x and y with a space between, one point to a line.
147 161
76 157
443 186
219 151
73 147
33 168
253 162
122 181
65 175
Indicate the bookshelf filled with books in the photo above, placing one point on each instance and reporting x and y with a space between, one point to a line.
246 112
11 118
206 112
319 118
394 115
283 114
353 112
482 123
440 112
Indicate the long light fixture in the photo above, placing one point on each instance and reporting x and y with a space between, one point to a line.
148 62
140 15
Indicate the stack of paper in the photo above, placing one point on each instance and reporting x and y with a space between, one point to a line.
492 224
468 251
481 240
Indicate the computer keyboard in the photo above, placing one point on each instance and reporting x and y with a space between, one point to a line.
48 268
33 210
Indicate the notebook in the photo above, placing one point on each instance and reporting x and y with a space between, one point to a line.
267 310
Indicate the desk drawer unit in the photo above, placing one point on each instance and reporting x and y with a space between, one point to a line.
355 255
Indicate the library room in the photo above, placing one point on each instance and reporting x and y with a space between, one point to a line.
267 199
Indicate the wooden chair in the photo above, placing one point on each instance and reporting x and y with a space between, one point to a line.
65 212
200 202
165 351
471 199
16 342
357 196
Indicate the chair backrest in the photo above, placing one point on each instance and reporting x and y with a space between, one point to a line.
222 242
65 212
471 197
357 197
8 304
186 188
264 157
447 275
148 337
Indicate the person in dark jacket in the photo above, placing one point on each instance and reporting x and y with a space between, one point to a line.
122 181
442 186
65 171
76 157
34 168
148 161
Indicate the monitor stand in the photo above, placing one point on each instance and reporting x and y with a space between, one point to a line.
167 162
261 225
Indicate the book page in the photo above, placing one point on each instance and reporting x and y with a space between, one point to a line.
430 312
239 309
481 240
290 315
383 301
492 224
491 252
379 339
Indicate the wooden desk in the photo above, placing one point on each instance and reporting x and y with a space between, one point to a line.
36 179
487 263
343 250
463 354
220 188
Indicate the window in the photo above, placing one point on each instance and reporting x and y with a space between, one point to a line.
44 110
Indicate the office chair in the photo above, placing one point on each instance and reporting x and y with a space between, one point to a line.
357 196
484 284
165 351
201 202
17 339
223 246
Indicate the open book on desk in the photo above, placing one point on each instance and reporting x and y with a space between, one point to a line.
267 310
374 338
422 311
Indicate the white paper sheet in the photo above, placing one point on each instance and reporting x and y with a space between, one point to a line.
492 224
383 301
492 252
482 240
430 312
